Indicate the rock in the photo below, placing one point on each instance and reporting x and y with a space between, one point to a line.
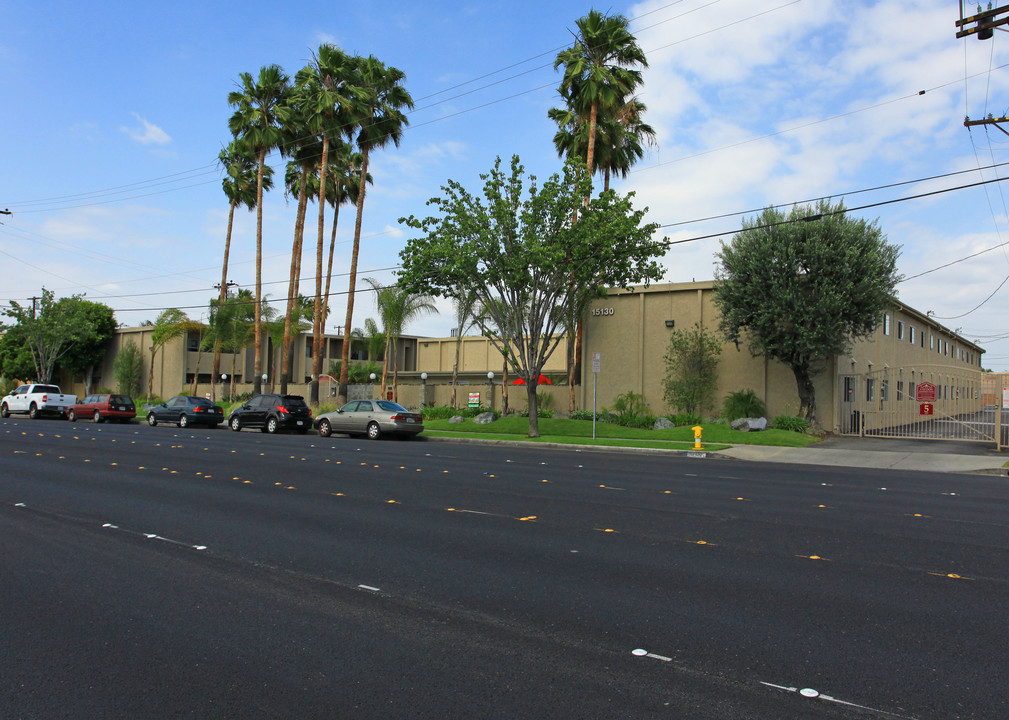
485 418
749 424
456 419
662 423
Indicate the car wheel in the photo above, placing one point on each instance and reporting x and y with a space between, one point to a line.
183 421
374 431
98 416
236 423
272 425
151 420
325 429
33 411
4 411
71 416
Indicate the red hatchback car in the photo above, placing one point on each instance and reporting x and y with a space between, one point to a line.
103 407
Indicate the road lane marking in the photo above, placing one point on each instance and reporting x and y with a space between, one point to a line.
640 652
812 694
369 587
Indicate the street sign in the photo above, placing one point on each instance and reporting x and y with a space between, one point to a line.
926 393
596 362
926 409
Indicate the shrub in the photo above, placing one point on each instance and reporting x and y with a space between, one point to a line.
540 412
790 422
439 412
585 415
742 404
128 368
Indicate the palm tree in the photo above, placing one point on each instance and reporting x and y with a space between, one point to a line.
342 186
261 110
170 324
324 89
599 69
281 329
377 113
239 186
397 307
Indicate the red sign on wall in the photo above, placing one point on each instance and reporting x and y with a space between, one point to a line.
925 409
926 393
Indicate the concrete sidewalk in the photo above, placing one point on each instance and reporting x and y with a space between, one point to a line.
930 455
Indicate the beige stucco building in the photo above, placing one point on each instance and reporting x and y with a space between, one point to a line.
630 331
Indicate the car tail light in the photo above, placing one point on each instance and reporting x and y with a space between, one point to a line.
397 417
45 398
283 410
197 409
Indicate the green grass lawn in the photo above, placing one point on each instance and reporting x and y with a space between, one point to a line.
580 431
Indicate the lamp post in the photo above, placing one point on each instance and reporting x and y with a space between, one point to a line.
423 390
490 389
372 378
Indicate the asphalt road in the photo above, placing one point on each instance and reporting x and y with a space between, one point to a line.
160 573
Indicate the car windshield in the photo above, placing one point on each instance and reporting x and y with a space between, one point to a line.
120 400
294 401
391 406
202 401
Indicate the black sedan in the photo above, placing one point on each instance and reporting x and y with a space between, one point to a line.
186 410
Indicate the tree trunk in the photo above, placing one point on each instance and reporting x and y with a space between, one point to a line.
807 394
504 387
216 371
455 366
257 365
292 285
320 247
329 266
385 363
345 356
534 410
150 375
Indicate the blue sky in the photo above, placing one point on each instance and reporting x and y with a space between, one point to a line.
115 113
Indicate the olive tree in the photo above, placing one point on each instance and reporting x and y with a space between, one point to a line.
801 287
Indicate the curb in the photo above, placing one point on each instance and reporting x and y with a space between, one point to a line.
692 454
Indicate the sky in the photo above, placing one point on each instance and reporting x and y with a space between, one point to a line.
116 111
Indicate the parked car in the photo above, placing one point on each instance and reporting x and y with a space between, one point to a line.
271 413
36 401
103 407
186 410
373 418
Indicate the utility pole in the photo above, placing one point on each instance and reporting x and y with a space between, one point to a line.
983 25
983 22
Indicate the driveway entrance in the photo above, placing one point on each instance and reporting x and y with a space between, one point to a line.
935 403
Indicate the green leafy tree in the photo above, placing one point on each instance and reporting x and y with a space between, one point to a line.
801 287
89 351
691 370
128 368
378 118
527 258
261 108
53 329
15 356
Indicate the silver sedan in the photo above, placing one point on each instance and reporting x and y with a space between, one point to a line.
373 418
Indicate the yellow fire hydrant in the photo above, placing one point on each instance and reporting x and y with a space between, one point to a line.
697 437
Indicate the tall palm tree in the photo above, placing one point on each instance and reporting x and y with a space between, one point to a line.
397 307
324 87
261 109
342 186
600 69
378 117
239 185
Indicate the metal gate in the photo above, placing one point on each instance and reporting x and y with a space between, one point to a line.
938 403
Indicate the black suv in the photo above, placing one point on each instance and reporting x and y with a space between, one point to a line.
271 413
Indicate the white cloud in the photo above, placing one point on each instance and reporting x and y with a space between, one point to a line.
147 133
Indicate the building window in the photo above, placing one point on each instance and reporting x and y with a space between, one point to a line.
193 342
945 348
870 390
886 323
900 330
849 389
923 339
900 390
931 342
910 334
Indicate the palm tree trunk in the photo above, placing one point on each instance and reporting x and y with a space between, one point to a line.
317 320
455 367
395 372
385 362
345 355
216 371
257 381
329 266
292 285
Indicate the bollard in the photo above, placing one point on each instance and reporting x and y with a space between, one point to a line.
697 437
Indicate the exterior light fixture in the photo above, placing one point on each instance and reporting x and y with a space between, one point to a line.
670 323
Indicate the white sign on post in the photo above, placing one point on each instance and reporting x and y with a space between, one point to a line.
596 362
1005 397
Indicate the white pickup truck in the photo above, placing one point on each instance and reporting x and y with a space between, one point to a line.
35 400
